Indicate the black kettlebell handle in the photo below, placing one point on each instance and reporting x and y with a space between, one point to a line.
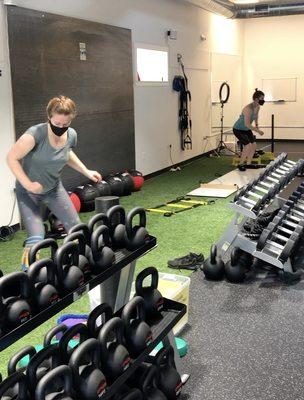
101 217
82 227
85 352
213 254
16 358
14 379
37 266
113 212
49 336
137 304
18 278
64 373
103 309
103 231
70 248
129 220
142 276
78 329
234 256
79 236
44 244
50 352
150 378
114 325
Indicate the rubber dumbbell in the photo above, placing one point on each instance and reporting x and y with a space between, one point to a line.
291 244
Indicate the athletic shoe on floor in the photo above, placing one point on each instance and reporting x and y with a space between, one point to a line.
191 261
242 167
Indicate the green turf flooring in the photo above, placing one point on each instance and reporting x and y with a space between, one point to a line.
193 230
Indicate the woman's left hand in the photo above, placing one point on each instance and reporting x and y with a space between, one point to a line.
94 176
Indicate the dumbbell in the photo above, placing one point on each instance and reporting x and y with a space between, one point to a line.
291 243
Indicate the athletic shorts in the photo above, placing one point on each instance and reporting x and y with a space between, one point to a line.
244 137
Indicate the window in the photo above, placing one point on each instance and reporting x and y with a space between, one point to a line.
151 65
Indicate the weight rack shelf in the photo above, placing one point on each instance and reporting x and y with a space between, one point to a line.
123 258
172 313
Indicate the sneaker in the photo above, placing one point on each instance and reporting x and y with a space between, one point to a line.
191 261
242 167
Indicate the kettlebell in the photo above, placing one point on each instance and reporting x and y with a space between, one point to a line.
90 381
47 389
70 276
79 330
115 358
170 382
44 292
103 255
154 302
51 334
118 232
132 394
12 366
149 386
41 363
14 387
234 270
81 227
137 235
43 244
137 333
104 312
84 263
100 219
15 310
213 267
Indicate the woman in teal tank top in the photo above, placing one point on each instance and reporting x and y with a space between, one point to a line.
243 128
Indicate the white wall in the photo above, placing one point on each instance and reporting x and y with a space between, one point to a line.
155 107
273 49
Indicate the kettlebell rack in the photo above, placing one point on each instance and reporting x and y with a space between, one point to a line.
161 330
279 239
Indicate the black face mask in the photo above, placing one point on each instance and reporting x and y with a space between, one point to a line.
58 131
261 102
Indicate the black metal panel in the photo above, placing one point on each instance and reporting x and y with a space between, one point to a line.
45 62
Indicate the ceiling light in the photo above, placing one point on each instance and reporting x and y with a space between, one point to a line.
245 1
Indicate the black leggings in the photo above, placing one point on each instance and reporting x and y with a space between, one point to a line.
244 137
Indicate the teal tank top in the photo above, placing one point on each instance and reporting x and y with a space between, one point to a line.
240 123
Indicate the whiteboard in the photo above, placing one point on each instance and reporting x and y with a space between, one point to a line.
280 89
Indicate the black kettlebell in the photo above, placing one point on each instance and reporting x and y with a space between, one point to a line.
84 263
90 381
79 330
82 227
15 310
48 390
51 334
170 382
104 312
213 267
149 385
103 255
41 363
70 276
44 293
43 244
132 394
115 358
154 302
117 229
137 235
12 365
14 387
138 334
234 270
100 219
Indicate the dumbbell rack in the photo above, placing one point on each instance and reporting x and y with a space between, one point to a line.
162 331
260 195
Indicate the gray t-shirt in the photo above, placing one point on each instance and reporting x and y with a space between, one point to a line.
44 163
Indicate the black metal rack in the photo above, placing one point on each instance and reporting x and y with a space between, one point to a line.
123 258
172 313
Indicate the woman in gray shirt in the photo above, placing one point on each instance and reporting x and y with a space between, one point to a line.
44 150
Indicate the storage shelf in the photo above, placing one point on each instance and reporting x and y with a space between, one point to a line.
123 258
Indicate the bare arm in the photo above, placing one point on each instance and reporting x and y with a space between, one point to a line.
75 163
19 150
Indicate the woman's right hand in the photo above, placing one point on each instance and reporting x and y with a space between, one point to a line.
35 187
261 133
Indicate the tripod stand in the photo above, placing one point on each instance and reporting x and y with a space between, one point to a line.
222 145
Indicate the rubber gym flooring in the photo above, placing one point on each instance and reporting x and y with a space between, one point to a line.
245 341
